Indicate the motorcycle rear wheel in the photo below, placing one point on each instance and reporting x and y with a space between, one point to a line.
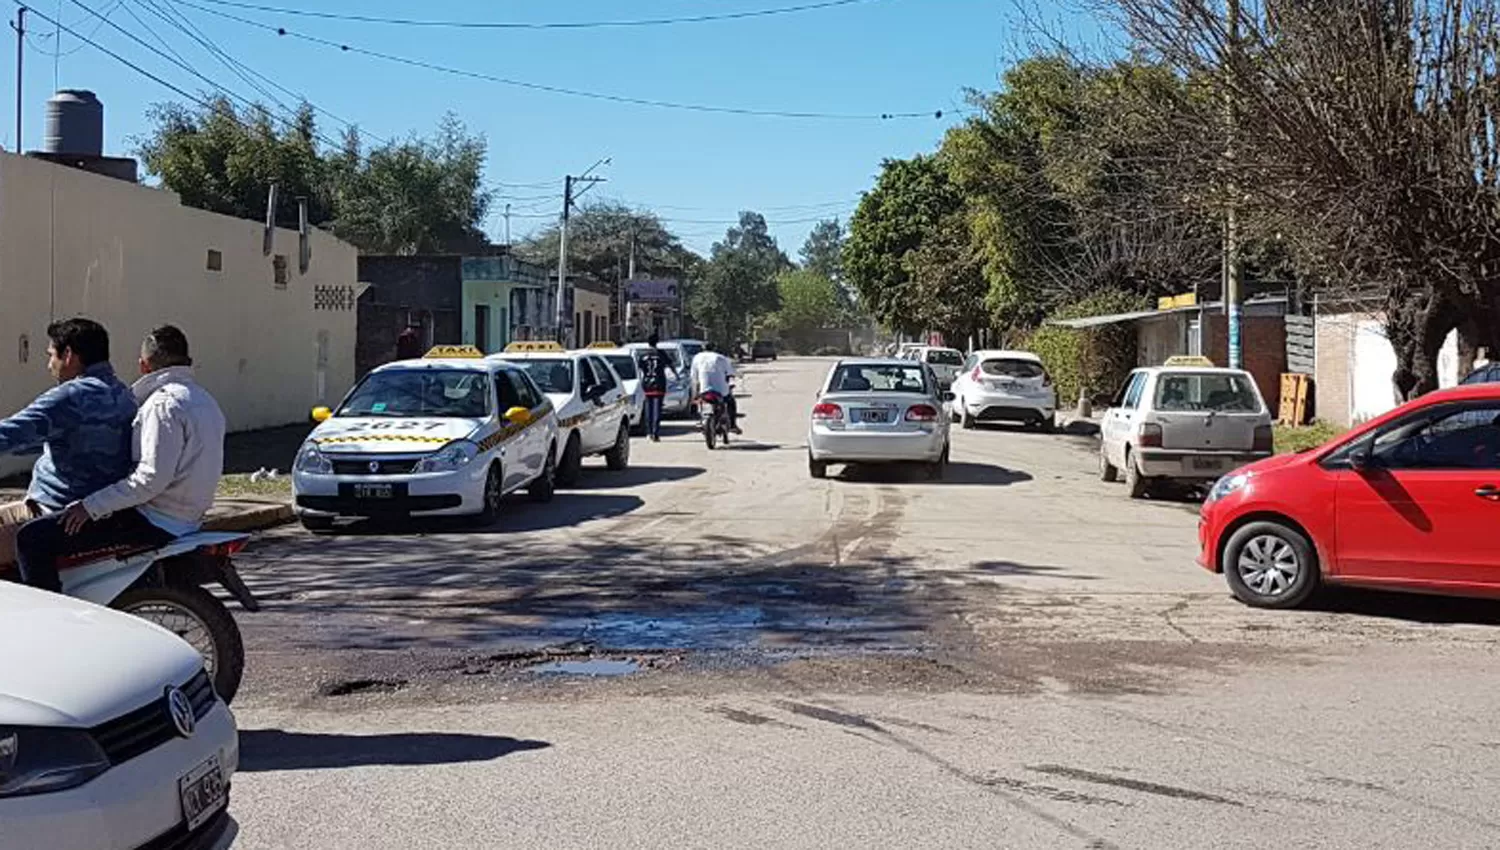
194 615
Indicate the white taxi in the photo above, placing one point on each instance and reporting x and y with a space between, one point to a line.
622 360
447 435
593 414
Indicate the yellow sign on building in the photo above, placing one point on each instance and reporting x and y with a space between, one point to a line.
1171 302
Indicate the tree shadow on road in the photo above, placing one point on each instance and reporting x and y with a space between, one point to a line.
263 750
517 515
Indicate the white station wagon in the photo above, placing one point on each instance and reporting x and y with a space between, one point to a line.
1183 423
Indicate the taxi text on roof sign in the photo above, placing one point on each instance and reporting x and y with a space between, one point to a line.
1188 360
602 344
517 347
453 352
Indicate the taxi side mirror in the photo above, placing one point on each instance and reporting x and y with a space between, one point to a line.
518 416
321 414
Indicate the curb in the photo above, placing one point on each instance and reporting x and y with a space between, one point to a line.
267 515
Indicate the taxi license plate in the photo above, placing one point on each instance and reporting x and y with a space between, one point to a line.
374 491
1207 464
203 793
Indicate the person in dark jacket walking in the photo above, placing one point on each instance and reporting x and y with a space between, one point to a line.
83 427
654 365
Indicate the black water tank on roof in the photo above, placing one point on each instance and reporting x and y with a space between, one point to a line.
75 123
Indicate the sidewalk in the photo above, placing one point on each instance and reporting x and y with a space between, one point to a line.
241 504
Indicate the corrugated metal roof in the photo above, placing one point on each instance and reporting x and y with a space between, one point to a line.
1117 318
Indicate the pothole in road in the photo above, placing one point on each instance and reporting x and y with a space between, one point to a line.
592 667
355 687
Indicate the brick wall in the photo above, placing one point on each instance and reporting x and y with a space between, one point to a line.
1263 344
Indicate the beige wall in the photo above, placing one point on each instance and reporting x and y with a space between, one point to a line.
1355 363
132 257
595 303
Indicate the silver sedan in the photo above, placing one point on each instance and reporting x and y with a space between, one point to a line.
879 411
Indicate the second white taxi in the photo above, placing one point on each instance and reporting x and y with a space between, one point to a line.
447 435
622 360
593 413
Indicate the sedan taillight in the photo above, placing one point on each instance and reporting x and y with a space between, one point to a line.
828 412
1150 435
921 413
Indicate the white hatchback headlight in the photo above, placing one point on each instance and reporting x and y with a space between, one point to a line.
310 459
1228 484
454 456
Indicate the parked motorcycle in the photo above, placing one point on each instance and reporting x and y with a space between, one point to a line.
166 587
715 419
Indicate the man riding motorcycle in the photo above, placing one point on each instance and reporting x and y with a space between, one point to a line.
178 448
82 426
713 372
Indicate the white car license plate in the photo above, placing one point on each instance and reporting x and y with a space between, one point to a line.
374 491
203 793
873 416
1003 386
1207 464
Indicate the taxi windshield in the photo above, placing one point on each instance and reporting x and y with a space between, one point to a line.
624 364
552 375
462 393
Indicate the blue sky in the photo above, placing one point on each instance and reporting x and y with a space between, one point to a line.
696 170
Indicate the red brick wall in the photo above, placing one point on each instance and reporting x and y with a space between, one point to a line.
1263 343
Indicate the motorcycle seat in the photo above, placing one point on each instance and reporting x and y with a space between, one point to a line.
118 552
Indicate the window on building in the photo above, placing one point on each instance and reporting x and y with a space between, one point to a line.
215 261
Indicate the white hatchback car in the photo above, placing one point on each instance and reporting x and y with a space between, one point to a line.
1005 386
1179 423
111 735
878 411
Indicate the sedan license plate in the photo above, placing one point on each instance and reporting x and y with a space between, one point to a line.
374 491
203 793
873 416
1207 464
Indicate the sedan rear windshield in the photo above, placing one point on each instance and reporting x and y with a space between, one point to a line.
553 376
884 379
1009 367
945 357
421 392
624 364
1222 393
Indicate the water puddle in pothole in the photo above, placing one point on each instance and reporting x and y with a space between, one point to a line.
586 667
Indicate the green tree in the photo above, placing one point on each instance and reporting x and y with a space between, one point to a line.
809 301
823 251
599 244
738 284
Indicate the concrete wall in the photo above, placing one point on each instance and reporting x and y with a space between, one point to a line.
74 243
590 316
1355 363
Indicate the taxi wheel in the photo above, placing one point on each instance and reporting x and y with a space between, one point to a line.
618 456
1107 471
545 485
494 489
571 467
1136 483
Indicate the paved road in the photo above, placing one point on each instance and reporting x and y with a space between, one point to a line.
1015 657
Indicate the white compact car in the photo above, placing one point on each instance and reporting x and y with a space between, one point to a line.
447 435
111 735
946 363
622 360
878 411
1183 423
1005 386
593 412
678 399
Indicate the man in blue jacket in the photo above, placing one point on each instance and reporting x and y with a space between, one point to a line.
83 427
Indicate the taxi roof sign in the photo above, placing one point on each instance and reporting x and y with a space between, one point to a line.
603 343
519 347
447 352
1189 360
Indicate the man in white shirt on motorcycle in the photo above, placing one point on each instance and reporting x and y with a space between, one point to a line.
712 372
178 447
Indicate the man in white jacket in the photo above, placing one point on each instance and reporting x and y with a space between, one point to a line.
178 447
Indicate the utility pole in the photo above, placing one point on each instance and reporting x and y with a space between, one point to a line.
564 321
20 27
507 225
1232 295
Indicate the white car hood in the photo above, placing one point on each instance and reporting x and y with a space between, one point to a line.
383 435
64 662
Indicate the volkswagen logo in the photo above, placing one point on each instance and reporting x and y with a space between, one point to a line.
180 709
374 466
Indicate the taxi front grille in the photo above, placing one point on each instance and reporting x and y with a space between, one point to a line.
374 466
140 731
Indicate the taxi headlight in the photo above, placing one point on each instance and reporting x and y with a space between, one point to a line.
39 760
456 455
1228 484
310 459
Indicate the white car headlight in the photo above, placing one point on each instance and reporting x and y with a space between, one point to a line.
1228 484
454 456
310 459
41 760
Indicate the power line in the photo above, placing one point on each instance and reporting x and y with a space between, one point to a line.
547 25
613 98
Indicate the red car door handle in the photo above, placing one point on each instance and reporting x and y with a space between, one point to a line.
1488 491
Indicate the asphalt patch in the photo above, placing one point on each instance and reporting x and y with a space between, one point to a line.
1132 784
828 715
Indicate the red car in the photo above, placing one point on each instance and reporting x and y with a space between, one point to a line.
1409 501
